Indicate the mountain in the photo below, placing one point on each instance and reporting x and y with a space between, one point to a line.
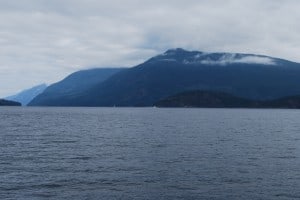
177 70
210 99
26 96
72 86
4 102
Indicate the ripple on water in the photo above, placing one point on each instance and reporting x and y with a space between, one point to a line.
145 153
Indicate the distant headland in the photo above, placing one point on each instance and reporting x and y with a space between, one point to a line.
4 102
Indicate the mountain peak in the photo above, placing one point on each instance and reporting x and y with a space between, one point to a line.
175 50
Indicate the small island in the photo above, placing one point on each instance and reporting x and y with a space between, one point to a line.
4 102
215 99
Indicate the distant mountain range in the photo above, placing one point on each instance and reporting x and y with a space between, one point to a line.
27 95
4 102
244 76
209 99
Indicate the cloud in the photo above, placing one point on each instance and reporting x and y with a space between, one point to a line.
42 40
255 60
236 58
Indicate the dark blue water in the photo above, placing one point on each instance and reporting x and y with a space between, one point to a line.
137 153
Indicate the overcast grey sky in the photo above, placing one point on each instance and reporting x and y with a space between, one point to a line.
44 40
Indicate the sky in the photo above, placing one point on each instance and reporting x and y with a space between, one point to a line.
42 41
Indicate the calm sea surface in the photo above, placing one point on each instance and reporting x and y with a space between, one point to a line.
148 153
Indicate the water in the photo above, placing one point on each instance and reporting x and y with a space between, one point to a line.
148 153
